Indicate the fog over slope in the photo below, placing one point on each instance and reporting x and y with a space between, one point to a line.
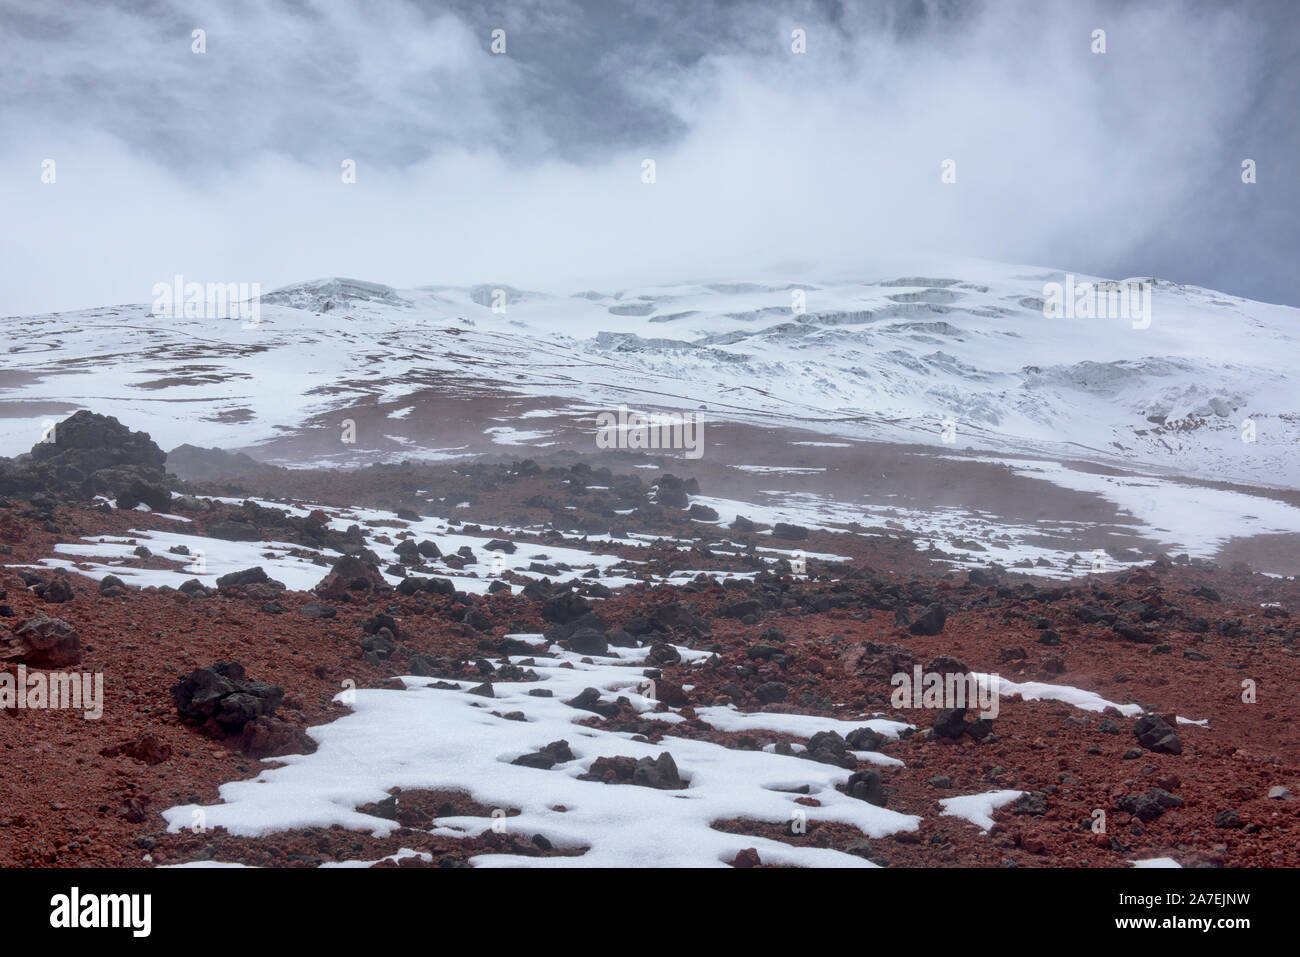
225 166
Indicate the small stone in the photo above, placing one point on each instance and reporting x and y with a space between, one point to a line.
1227 819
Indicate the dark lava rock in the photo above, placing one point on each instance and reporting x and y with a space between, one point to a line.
859 847
866 786
351 573
930 622
662 654
619 638
947 665
378 647
589 700
676 616
267 737
565 607
42 643
111 586
1031 802
672 492
828 747
864 739
233 531
1093 613
951 723
792 533
1164 798
660 772
90 454
140 491
771 692
588 641
478 619
248 576
1155 734
372 624
1142 806
221 696
742 608
57 590
557 752
427 666
1132 632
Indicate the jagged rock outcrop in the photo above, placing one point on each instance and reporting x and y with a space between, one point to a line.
88 454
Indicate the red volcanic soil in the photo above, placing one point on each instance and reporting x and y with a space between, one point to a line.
79 792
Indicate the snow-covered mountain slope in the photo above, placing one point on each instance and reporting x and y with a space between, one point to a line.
886 357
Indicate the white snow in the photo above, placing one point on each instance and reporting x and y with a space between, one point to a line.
978 808
1181 516
778 469
1043 691
729 718
506 435
422 737
878 356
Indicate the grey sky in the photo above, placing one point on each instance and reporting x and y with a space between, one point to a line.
526 168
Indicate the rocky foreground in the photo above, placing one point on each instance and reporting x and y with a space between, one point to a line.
206 683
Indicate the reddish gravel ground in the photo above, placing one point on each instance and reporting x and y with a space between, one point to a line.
71 797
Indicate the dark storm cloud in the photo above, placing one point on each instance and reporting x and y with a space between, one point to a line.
526 167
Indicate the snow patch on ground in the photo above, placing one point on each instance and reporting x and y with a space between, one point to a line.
1042 691
977 808
425 737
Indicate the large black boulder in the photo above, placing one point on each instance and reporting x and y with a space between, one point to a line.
221 696
930 621
1154 733
88 454
564 607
